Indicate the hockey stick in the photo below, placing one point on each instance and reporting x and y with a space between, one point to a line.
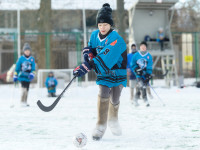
51 107
161 75
156 94
155 91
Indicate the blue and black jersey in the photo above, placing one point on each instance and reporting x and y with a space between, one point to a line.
143 61
111 59
51 84
25 66
129 59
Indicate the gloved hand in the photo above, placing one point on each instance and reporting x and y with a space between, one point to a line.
15 78
138 71
50 88
53 85
147 78
88 53
82 69
128 72
31 76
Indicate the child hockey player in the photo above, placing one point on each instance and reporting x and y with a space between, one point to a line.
51 84
142 64
130 72
25 72
106 54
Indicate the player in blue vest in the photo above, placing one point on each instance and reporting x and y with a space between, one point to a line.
142 64
130 72
25 72
51 84
107 55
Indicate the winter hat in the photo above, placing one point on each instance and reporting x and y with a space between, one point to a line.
143 42
133 50
26 47
104 15
133 45
51 73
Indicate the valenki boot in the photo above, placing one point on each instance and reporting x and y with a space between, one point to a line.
113 122
102 112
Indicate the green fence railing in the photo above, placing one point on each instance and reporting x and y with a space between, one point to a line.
188 47
62 50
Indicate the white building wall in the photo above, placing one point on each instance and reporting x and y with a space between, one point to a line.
147 22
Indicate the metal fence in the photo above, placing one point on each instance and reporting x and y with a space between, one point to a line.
63 51
187 49
51 50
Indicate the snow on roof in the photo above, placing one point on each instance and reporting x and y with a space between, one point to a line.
19 4
88 4
61 4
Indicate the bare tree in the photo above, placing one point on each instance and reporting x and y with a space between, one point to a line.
44 26
187 18
44 20
121 18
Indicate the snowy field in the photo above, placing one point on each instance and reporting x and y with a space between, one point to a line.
175 126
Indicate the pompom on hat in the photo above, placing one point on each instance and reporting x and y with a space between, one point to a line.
104 15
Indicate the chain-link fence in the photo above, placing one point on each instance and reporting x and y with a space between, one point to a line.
63 51
51 50
187 49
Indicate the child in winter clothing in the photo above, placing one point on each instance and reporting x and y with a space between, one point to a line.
51 84
160 38
142 64
25 72
130 72
107 55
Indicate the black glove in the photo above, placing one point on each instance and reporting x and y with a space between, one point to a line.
53 86
89 53
82 69
147 78
138 71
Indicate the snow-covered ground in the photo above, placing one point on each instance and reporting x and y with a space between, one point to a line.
175 126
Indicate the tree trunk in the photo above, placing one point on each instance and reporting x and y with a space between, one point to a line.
120 18
44 23
44 26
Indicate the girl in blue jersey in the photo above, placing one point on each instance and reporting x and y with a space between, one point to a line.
25 72
106 54
51 84
142 64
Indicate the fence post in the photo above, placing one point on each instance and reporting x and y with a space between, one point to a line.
15 48
196 55
78 52
47 50
78 48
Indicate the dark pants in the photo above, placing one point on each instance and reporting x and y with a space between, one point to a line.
141 87
52 95
162 45
25 85
25 89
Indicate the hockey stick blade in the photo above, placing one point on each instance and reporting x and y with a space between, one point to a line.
161 75
51 107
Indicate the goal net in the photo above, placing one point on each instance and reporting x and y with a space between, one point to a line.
64 76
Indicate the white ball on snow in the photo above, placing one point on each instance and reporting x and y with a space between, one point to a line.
80 140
